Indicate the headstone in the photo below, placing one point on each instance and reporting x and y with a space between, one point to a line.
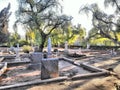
49 69
66 46
36 58
80 51
113 52
36 48
58 45
88 45
49 47
17 53
11 50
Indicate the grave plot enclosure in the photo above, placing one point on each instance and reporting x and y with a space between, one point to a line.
50 70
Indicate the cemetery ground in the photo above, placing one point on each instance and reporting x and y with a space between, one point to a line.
102 59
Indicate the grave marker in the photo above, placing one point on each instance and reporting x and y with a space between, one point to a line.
49 68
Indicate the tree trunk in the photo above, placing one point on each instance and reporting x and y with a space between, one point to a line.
43 38
41 47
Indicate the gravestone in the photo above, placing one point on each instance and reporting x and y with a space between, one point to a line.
49 47
36 48
113 52
49 65
36 58
17 58
49 68
11 50
66 47
80 51
88 46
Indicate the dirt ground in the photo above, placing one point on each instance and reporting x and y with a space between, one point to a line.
101 83
101 59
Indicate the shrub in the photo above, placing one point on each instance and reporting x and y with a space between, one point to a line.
26 48
23 42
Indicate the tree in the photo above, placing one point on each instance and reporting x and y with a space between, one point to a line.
43 16
81 31
69 32
57 37
30 36
4 19
93 34
14 39
106 24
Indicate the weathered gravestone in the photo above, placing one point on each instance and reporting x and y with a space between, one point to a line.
66 46
17 58
49 68
36 58
88 46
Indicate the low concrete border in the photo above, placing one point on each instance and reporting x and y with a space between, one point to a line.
33 83
92 68
18 62
98 72
4 68
8 56
82 76
1 59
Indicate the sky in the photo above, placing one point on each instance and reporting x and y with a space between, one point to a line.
70 7
12 19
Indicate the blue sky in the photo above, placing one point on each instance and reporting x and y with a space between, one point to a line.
70 7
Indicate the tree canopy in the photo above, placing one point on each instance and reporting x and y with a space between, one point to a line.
107 24
42 16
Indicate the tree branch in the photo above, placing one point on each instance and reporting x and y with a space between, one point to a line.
117 5
107 22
